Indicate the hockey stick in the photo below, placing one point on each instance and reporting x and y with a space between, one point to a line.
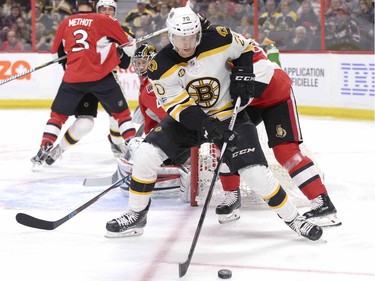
31 221
139 40
100 181
183 267
32 70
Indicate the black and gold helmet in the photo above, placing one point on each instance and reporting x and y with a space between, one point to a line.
142 57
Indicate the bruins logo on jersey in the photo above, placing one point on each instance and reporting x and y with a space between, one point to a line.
205 91
152 66
222 30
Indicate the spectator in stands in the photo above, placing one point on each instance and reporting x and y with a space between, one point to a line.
42 17
240 11
246 27
132 18
267 20
15 13
12 44
63 8
308 19
345 31
154 5
300 41
226 7
161 16
352 6
45 43
214 15
24 32
287 19
331 11
6 8
365 20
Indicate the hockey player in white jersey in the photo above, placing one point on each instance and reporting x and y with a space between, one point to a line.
194 84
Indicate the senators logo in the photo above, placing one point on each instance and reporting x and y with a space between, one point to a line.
152 66
280 132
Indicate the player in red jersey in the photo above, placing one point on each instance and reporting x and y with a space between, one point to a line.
274 104
88 108
89 40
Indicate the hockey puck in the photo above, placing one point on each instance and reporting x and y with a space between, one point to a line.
224 273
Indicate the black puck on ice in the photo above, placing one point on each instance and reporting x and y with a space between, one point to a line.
224 273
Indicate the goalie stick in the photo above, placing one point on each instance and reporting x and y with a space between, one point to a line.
31 221
183 267
139 40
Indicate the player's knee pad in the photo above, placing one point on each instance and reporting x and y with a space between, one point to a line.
260 179
81 126
147 162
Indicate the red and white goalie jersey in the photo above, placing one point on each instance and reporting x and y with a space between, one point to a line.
89 40
152 112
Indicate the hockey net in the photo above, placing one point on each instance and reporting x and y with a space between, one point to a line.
204 162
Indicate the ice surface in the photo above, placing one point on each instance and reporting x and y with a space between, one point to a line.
257 247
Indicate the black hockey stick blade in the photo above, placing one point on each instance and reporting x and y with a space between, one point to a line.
33 222
183 267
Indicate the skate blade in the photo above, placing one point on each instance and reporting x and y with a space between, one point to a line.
36 166
326 221
235 215
128 233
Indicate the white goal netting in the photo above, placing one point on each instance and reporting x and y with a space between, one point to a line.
207 162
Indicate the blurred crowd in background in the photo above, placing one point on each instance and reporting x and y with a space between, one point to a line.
344 25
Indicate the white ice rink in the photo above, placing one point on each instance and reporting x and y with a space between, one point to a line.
257 247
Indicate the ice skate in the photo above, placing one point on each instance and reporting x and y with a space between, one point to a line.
229 209
305 228
323 212
54 154
39 159
131 223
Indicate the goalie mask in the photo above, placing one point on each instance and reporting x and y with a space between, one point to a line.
184 30
142 57
107 7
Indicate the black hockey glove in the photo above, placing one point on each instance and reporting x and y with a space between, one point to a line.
216 131
242 83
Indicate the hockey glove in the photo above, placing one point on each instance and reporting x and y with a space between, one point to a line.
130 47
242 84
216 131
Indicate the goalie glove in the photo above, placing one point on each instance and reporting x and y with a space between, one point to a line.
216 131
242 84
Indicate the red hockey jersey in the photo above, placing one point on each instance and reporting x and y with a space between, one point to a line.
89 40
272 84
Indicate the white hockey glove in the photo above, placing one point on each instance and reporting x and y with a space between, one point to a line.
130 47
